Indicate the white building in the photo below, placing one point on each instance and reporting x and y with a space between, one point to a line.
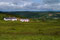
10 19
24 20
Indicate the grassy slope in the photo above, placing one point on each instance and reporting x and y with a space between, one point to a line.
18 27
49 30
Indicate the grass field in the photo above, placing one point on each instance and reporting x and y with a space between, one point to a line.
48 30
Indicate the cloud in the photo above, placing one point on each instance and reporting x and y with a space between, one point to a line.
40 5
22 4
19 5
51 5
51 1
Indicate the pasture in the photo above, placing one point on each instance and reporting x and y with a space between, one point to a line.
16 30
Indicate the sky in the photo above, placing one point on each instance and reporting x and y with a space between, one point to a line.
29 5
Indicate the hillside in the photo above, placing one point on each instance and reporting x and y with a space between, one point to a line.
42 30
38 15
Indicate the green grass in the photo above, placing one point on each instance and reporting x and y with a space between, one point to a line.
27 37
49 30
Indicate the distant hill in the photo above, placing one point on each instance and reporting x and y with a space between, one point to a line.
31 14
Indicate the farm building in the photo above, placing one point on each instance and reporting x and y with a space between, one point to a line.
10 19
16 19
24 20
50 14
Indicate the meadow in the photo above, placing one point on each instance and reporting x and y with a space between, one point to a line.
42 30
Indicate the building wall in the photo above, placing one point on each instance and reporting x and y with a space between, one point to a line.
24 20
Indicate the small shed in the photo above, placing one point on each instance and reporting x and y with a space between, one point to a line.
10 19
24 20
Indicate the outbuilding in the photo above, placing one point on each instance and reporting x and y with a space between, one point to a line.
24 20
10 19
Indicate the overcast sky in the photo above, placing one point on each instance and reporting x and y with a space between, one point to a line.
29 5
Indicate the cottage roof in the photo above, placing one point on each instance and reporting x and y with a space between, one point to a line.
10 18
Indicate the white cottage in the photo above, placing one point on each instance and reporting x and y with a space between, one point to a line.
10 19
24 20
